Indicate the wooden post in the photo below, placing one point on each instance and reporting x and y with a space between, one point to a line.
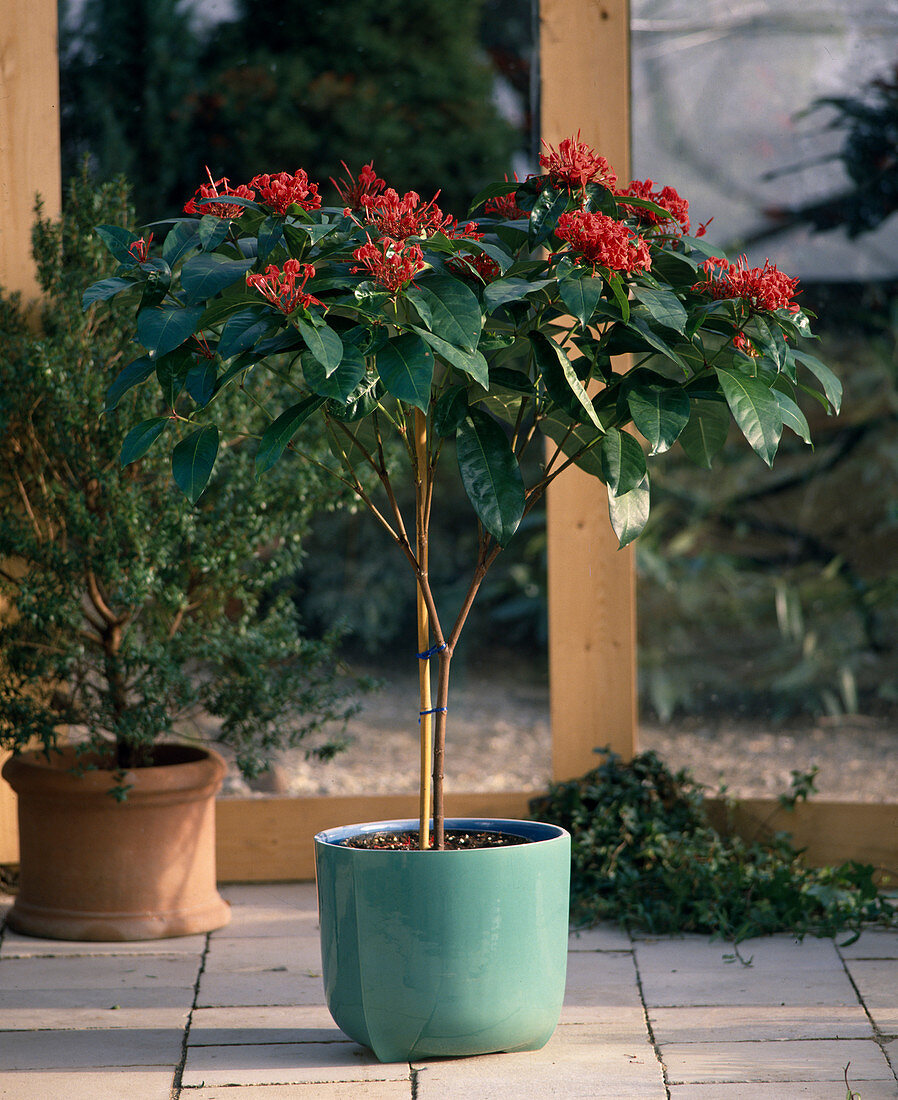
584 85
29 164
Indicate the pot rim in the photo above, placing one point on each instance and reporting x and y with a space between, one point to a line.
535 831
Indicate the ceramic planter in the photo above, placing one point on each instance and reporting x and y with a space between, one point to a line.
429 954
93 868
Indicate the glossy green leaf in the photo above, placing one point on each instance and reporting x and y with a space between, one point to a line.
161 330
471 363
503 291
832 387
281 430
180 240
553 366
200 382
141 437
323 343
660 412
623 462
652 340
340 383
629 513
450 409
243 329
271 233
205 275
792 415
664 306
192 461
581 296
707 431
118 241
105 289
449 309
493 191
212 231
171 371
490 474
405 365
137 371
550 203
582 442
754 409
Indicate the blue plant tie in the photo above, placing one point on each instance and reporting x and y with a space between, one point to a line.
428 653
433 710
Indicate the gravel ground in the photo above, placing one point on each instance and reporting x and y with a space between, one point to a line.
499 739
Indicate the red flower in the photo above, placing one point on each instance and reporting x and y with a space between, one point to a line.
140 249
218 189
280 192
352 193
504 206
279 286
400 218
604 242
390 262
576 164
667 198
764 288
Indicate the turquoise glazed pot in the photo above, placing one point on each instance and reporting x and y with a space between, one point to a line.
435 954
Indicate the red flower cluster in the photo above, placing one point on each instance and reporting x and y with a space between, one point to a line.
764 288
390 262
280 287
399 218
576 164
281 191
140 249
604 242
667 198
369 184
218 189
504 206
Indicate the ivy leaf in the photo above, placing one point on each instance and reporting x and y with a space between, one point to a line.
490 474
629 513
192 461
754 409
141 437
660 412
281 430
405 365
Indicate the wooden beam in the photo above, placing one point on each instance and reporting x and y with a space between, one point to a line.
584 86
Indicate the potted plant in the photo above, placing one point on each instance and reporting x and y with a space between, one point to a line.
410 338
123 614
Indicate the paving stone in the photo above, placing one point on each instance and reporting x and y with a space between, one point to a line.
76 1050
617 1023
133 1082
695 971
261 987
286 1064
350 1090
264 1024
800 1060
604 937
264 953
874 943
599 982
576 1064
16 946
877 982
73 1017
872 1090
719 1023
270 910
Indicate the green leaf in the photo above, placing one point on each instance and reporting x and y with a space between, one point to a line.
450 410
449 309
507 378
754 409
653 340
664 306
621 295
471 363
205 275
503 291
200 382
192 461
578 441
280 431
706 432
490 474
660 412
832 387
323 343
211 231
118 241
271 232
141 437
549 205
623 463
243 329
137 371
581 296
104 289
161 330
339 384
551 359
493 191
171 370
179 241
405 366
629 513
792 415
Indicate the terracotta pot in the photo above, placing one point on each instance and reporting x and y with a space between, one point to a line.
94 868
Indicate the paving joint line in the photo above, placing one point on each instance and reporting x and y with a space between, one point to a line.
178 1075
648 1023
879 1036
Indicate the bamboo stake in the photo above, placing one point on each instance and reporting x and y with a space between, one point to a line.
426 715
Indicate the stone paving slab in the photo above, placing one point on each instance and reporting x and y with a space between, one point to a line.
96 1048
801 1060
241 954
871 1090
874 943
287 1064
16 946
283 986
604 937
754 1022
352 1090
264 1023
877 983
131 1083
55 1015
270 910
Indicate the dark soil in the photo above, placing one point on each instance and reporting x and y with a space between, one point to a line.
456 840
